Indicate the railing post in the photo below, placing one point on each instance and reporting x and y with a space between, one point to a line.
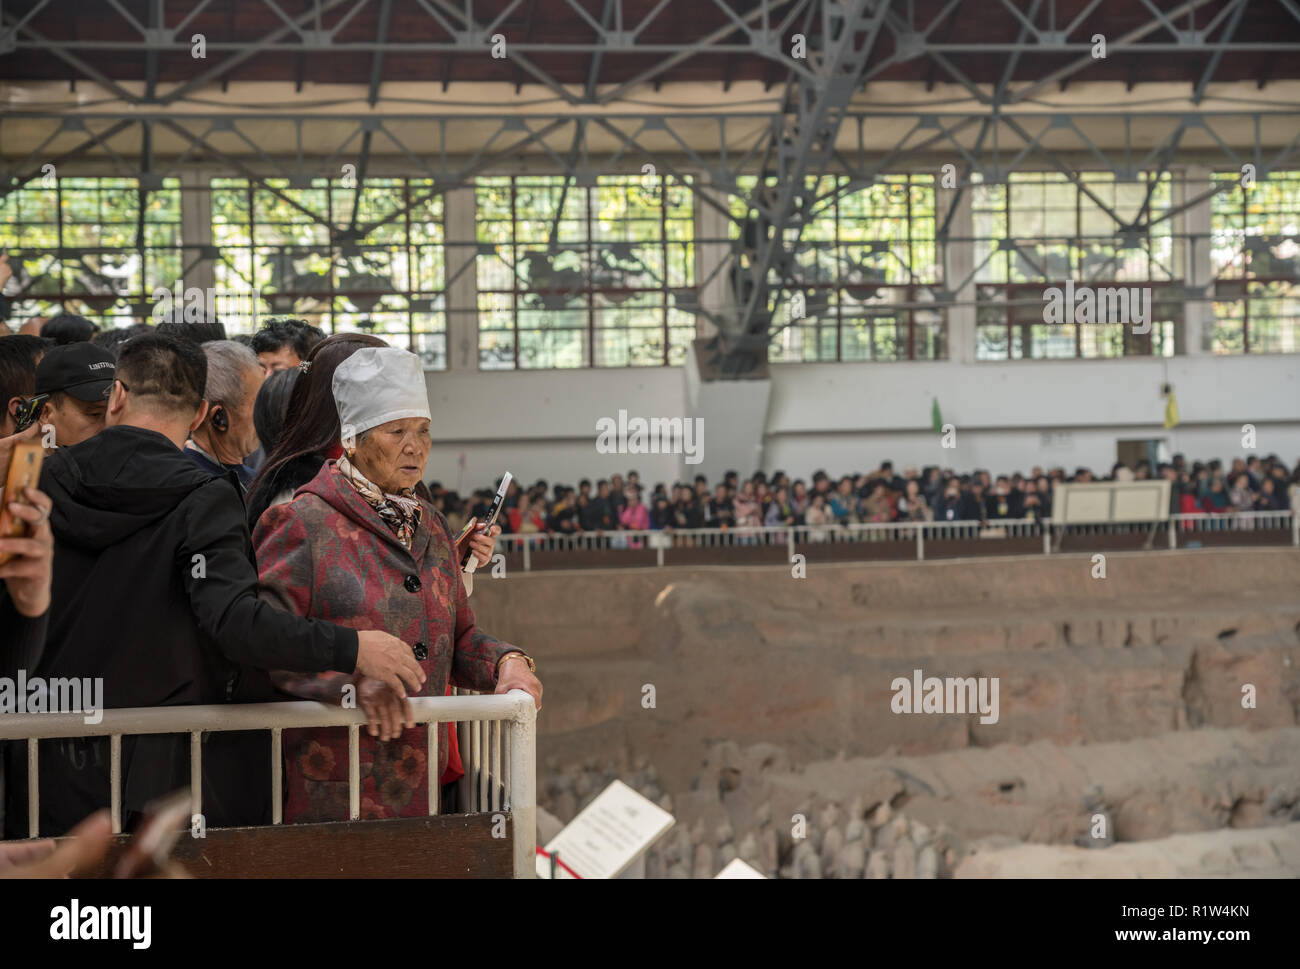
920 541
523 785
464 786
115 781
431 731
33 788
789 545
495 770
277 779
196 772
1047 537
354 772
1295 527
528 544
475 750
1173 533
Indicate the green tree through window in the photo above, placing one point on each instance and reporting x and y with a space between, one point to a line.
583 275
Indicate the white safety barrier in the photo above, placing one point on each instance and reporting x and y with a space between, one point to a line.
916 533
504 764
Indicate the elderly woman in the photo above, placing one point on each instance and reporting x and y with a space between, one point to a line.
357 545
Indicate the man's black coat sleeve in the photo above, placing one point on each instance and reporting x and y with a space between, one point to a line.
221 580
22 639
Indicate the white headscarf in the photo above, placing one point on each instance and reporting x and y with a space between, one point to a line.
377 385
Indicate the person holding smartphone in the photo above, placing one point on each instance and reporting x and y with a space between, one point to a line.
359 544
153 566
27 573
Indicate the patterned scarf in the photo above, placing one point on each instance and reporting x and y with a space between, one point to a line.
401 513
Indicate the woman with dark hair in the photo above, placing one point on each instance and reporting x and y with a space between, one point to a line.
67 328
269 408
360 519
311 437
271 405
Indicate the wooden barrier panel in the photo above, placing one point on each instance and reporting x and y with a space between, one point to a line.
446 846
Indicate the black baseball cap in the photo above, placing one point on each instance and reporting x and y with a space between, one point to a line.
81 369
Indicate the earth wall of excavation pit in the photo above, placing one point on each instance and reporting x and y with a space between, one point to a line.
1166 641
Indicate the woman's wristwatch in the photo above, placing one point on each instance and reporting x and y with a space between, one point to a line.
532 667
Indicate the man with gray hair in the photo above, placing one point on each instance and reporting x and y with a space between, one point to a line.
227 435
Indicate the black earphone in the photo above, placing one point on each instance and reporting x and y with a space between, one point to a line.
220 421
27 411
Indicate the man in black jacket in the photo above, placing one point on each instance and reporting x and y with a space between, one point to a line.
155 591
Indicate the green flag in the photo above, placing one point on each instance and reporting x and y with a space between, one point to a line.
936 421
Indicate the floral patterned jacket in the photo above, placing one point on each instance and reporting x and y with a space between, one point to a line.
327 554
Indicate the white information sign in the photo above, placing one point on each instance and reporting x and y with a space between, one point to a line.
607 835
739 869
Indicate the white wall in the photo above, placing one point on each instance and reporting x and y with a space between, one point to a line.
846 417
851 416
542 424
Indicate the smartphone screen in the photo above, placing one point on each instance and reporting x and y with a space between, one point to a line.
24 472
487 523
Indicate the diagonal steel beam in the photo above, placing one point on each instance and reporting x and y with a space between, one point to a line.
593 73
1136 34
697 47
363 165
156 19
848 38
20 28
1075 178
128 16
198 9
234 60
467 19
1217 56
1014 59
16 182
474 167
1161 18
203 143
377 64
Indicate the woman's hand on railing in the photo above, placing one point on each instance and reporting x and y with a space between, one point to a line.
515 675
385 711
389 660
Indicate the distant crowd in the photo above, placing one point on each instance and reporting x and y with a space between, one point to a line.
255 411
927 495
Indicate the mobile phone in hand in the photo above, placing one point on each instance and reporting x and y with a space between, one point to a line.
24 472
490 520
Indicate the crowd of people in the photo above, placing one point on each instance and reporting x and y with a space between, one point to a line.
206 531
248 518
930 494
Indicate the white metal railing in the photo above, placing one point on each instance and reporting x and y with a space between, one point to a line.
917 533
504 767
